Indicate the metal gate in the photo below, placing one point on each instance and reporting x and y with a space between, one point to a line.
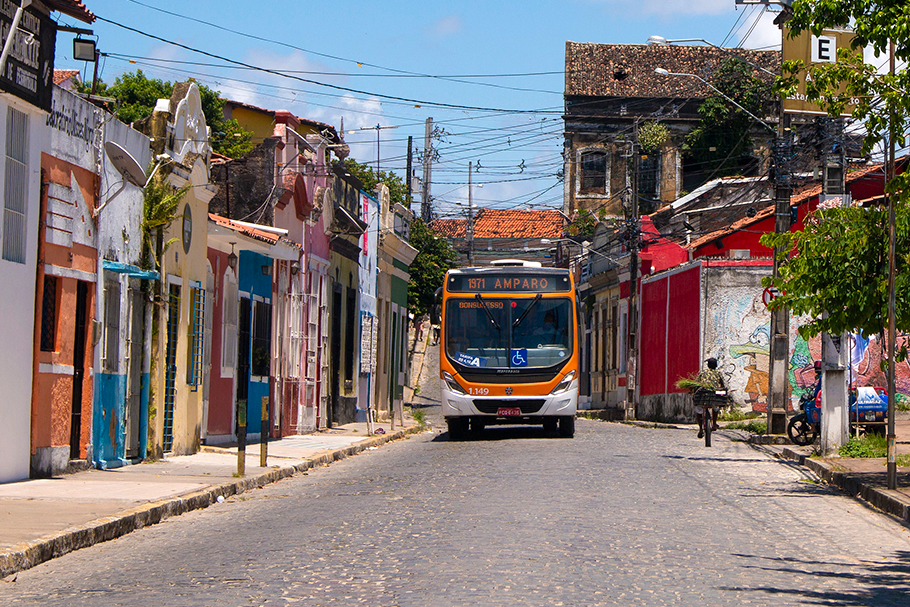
170 377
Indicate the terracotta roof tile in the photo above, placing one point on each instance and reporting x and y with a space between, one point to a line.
497 223
257 234
449 228
64 75
627 70
73 8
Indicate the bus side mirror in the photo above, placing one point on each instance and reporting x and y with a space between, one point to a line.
437 295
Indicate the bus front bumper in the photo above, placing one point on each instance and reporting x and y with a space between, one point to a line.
505 407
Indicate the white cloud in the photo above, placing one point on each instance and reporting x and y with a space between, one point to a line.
446 26
765 35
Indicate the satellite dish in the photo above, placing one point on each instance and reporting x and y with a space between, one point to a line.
125 164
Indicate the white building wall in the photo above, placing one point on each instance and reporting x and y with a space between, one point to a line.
17 306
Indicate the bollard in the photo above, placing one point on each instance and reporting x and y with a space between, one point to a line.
241 438
264 434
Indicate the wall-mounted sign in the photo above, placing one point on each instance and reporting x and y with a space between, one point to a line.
812 49
29 70
187 228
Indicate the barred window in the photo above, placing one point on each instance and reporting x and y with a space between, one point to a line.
49 315
195 337
15 190
594 172
262 339
111 357
229 311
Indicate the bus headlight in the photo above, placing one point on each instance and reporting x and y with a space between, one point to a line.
454 386
564 384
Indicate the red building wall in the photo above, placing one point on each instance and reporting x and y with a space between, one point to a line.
670 321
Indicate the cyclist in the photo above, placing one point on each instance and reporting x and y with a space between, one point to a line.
709 377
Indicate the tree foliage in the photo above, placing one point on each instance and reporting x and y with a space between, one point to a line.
137 95
838 274
722 143
583 224
159 209
840 262
397 188
434 257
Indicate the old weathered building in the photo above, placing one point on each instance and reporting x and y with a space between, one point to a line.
611 92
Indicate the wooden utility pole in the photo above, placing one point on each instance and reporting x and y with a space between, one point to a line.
633 235
407 179
425 212
892 320
470 227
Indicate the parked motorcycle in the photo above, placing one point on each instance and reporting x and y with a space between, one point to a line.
868 406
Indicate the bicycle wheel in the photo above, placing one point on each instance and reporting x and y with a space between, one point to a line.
800 431
708 421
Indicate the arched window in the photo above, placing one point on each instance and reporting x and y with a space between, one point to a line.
229 320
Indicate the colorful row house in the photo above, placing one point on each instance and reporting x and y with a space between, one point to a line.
26 99
275 295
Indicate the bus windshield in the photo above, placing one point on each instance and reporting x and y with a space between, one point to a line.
496 332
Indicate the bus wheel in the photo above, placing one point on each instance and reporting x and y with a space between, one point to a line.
549 424
458 427
567 426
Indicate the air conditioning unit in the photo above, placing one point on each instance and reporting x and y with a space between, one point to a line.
739 253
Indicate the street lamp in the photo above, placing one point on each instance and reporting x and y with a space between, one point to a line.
663 72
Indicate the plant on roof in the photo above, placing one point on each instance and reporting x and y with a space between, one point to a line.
721 144
652 135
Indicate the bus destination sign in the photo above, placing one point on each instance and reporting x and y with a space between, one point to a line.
537 282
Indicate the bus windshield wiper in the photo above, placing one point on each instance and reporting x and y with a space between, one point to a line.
525 313
487 310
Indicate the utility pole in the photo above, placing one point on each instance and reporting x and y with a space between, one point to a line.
407 178
632 234
469 233
892 321
835 422
427 169
778 392
377 128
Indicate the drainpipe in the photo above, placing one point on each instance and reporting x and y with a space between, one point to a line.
8 45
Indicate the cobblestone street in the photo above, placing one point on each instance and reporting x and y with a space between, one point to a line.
619 515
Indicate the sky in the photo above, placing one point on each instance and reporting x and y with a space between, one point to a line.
489 73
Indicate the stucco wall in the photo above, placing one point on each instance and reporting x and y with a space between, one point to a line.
17 313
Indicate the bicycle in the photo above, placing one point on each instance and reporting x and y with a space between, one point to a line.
708 400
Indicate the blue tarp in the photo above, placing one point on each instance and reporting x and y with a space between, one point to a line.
132 271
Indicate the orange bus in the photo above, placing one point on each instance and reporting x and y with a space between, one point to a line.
509 352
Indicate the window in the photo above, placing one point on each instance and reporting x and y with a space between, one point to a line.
195 338
350 330
262 339
111 358
15 191
229 311
594 172
649 176
49 315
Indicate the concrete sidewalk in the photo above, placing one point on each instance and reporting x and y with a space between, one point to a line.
44 518
863 478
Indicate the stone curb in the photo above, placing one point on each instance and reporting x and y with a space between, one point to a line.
28 554
887 501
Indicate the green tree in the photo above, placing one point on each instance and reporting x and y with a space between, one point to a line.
839 263
137 95
397 188
583 224
434 257
722 144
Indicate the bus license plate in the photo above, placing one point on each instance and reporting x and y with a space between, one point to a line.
508 412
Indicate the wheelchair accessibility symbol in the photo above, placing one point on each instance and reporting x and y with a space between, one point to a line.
520 357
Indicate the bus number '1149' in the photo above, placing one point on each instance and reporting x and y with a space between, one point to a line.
479 391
